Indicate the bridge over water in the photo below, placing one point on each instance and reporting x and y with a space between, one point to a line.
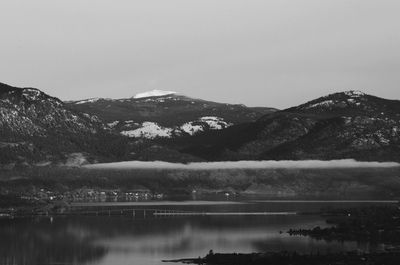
155 209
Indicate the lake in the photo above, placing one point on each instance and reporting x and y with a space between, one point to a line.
122 240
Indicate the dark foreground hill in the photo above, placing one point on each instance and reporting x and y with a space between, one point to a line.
341 125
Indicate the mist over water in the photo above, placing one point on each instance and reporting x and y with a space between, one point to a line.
344 163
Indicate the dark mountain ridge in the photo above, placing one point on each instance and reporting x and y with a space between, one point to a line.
166 115
342 125
167 110
35 127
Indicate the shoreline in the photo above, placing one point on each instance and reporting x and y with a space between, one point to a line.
62 208
293 258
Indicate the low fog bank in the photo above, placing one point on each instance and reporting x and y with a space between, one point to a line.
345 163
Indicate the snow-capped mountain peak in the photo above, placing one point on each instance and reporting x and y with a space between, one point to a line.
154 93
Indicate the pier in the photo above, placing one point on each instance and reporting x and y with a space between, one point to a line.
144 212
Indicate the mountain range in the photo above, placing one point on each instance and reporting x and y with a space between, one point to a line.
38 129
166 114
349 124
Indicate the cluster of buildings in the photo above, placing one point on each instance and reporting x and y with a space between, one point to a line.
94 195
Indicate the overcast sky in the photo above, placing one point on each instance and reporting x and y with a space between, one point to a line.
257 52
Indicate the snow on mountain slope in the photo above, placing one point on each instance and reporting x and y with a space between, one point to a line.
152 130
215 123
204 123
31 94
113 124
29 111
191 128
354 93
37 127
154 93
89 100
342 100
347 124
149 130
170 110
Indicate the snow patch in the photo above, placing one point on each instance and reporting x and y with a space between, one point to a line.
90 100
113 124
203 123
325 103
191 128
381 138
31 94
149 130
395 131
215 123
354 93
154 93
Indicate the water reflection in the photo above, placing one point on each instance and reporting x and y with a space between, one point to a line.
124 240
128 241
26 241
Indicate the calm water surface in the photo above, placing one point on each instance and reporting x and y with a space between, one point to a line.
127 240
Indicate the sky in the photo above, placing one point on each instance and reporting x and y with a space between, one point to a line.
275 53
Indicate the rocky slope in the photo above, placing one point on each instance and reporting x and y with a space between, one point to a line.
38 128
341 125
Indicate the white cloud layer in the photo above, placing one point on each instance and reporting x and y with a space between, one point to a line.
345 163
